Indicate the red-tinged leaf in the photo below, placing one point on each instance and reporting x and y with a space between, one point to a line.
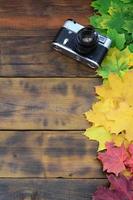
130 149
123 185
113 159
105 194
131 183
121 188
129 162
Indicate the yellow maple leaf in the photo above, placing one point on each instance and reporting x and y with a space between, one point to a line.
98 113
117 88
128 87
119 140
130 57
109 89
99 134
114 110
122 120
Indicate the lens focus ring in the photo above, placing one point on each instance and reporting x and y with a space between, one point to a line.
86 40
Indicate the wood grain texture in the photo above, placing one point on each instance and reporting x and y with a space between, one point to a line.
45 103
36 189
48 154
34 17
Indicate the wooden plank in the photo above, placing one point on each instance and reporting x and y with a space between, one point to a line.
36 189
34 57
33 17
48 154
62 66
43 103
42 8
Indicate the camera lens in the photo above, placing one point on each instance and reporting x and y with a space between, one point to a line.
86 40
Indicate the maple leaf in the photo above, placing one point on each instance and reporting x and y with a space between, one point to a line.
117 38
121 188
115 20
119 139
129 162
130 47
99 22
109 90
126 1
98 113
99 134
122 184
113 159
123 120
115 120
106 21
101 5
115 62
115 7
128 25
103 193
114 110
130 149
108 115
123 91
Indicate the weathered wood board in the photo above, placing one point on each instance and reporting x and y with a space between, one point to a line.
38 189
35 17
47 154
59 104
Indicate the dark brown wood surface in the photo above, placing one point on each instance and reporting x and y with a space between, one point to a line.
48 154
45 103
43 96
53 189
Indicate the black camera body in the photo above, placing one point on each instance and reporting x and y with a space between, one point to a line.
82 43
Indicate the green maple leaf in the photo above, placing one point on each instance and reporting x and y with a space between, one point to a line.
129 41
100 21
115 7
128 25
95 21
118 39
127 11
101 5
126 1
130 47
106 21
115 20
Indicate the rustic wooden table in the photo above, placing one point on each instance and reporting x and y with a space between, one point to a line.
43 95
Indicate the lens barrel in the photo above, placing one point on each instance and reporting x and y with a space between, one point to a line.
86 40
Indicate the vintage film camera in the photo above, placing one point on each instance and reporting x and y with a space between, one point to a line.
82 43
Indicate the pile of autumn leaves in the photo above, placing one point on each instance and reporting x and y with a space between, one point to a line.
112 123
